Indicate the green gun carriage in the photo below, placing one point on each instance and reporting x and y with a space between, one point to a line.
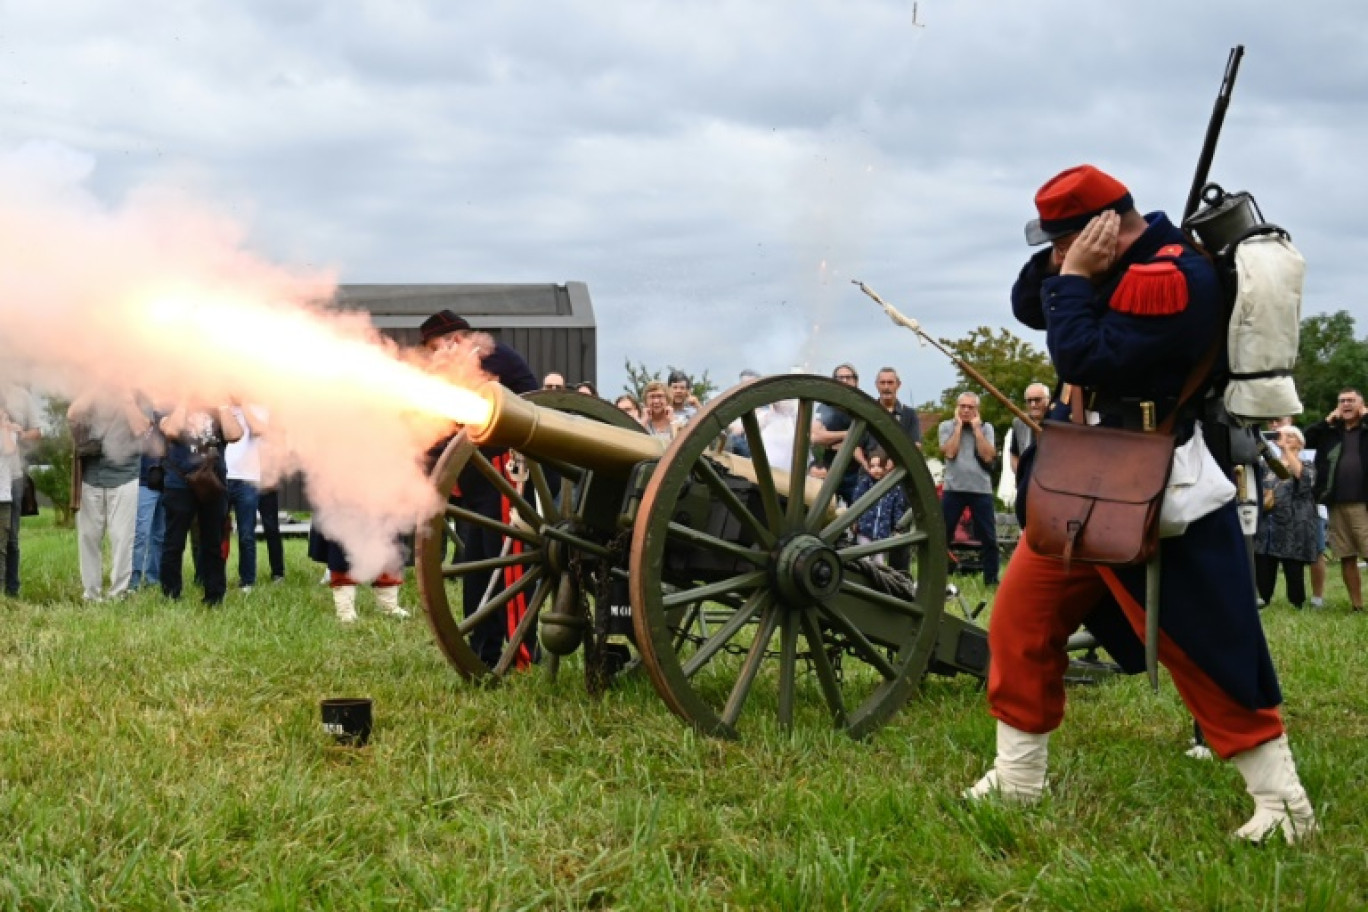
749 593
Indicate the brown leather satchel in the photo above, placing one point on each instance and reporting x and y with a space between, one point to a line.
1095 493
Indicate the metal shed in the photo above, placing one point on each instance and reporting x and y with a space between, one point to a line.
551 325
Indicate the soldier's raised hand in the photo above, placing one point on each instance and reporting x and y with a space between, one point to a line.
1093 252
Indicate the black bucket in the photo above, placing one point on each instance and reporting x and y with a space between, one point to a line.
348 720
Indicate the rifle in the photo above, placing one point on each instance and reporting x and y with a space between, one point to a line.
1213 133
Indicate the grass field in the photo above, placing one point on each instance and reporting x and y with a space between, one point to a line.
163 755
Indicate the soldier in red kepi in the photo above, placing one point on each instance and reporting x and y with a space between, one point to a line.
1129 308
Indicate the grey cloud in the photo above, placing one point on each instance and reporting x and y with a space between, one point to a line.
696 163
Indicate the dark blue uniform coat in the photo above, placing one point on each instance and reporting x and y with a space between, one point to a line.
1138 334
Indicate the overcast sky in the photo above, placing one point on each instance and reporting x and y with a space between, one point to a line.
717 172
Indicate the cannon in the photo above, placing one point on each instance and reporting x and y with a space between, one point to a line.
739 587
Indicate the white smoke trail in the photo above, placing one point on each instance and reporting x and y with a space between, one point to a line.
160 295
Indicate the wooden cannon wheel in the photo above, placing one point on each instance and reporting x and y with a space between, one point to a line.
798 594
545 525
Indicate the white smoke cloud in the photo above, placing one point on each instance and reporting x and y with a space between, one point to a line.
160 295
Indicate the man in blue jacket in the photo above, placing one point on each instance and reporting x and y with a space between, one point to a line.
1129 309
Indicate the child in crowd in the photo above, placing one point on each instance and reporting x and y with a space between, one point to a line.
876 523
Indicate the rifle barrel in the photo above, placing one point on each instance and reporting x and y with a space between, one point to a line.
1213 132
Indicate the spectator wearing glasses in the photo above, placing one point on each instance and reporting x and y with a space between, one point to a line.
829 431
656 417
1037 404
553 381
888 383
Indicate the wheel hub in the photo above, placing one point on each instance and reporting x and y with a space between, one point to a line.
806 571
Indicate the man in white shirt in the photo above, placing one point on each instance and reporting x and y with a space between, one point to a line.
243 458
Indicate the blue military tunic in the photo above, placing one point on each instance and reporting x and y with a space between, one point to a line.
1137 335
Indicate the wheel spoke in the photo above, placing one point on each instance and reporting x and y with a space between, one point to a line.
733 503
529 618
743 582
882 546
500 600
545 500
821 663
788 662
802 442
491 563
764 476
568 472
835 472
868 651
682 631
510 493
882 599
732 711
704 540
479 519
758 601
567 494
577 542
861 506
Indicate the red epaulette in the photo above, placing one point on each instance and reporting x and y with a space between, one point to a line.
1154 289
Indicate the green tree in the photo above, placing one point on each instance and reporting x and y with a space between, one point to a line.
639 375
52 459
1329 358
1009 363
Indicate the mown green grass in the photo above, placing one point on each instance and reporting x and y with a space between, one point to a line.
162 755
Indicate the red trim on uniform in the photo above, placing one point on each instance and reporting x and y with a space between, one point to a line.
1040 604
1229 727
517 606
1170 250
1151 290
338 578
388 581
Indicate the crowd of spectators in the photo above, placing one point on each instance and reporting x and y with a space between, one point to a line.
146 481
149 480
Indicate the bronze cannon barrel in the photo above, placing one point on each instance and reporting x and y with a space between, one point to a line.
540 432
516 423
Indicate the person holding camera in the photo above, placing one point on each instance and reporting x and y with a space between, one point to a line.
969 447
1342 484
1288 525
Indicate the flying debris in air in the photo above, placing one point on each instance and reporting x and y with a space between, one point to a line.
914 18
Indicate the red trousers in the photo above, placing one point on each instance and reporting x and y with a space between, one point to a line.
1037 608
386 579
